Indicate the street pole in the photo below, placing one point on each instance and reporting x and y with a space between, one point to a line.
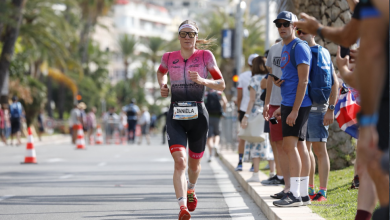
239 31
267 26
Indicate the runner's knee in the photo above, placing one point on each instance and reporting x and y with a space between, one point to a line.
180 163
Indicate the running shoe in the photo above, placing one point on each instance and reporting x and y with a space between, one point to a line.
252 169
312 196
289 201
184 214
239 167
319 198
306 200
355 182
273 181
278 195
192 201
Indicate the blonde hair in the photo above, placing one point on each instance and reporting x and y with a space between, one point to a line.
201 44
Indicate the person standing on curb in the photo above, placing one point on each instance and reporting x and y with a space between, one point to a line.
144 122
323 90
273 100
16 111
260 150
91 123
132 111
74 122
242 104
188 119
295 108
216 105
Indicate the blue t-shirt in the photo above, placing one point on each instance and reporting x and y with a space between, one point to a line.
290 72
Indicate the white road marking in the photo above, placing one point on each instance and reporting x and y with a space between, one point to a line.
66 176
5 197
54 160
102 164
241 206
163 160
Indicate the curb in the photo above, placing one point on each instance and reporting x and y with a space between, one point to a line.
261 194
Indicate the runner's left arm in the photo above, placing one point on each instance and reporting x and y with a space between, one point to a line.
217 83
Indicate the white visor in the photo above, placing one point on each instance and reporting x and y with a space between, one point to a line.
192 27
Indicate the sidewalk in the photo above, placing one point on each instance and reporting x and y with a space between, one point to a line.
46 140
261 194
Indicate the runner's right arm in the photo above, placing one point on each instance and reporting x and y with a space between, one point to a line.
162 77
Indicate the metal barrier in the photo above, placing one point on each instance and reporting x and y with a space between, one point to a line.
229 127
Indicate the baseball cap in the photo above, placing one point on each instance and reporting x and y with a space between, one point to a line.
286 15
251 57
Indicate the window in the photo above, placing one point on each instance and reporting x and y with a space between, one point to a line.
186 4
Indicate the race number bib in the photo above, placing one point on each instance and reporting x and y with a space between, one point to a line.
185 111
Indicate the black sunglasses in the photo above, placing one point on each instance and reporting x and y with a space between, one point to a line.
299 32
285 24
183 34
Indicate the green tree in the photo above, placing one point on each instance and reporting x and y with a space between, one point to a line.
127 44
155 51
11 34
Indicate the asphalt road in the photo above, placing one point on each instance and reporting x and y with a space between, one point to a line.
111 182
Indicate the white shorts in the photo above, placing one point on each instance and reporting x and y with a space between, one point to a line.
262 150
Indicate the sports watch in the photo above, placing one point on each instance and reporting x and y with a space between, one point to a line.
331 107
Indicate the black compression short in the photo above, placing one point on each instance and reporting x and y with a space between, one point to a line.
194 131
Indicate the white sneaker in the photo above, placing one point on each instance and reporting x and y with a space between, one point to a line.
210 159
254 179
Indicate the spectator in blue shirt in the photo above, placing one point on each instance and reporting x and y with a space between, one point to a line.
295 109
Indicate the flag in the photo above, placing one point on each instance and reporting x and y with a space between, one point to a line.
345 112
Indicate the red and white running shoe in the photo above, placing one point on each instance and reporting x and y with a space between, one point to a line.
312 196
192 201
184 214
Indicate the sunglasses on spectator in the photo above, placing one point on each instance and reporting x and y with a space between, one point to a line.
299 32
285 24
184 34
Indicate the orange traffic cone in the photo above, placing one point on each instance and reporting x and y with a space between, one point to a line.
30 154
99 135
80 142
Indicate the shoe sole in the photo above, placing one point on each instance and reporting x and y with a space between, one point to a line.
306 203
295 204
185 216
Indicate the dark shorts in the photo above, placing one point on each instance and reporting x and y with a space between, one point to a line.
15 125
241 115
300 128
383 126
179 132
214 126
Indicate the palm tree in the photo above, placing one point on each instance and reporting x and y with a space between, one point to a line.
127 44
155 46
12 32
90 11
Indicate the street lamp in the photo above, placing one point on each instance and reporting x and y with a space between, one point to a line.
241 5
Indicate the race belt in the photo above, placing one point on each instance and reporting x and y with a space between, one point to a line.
185 110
